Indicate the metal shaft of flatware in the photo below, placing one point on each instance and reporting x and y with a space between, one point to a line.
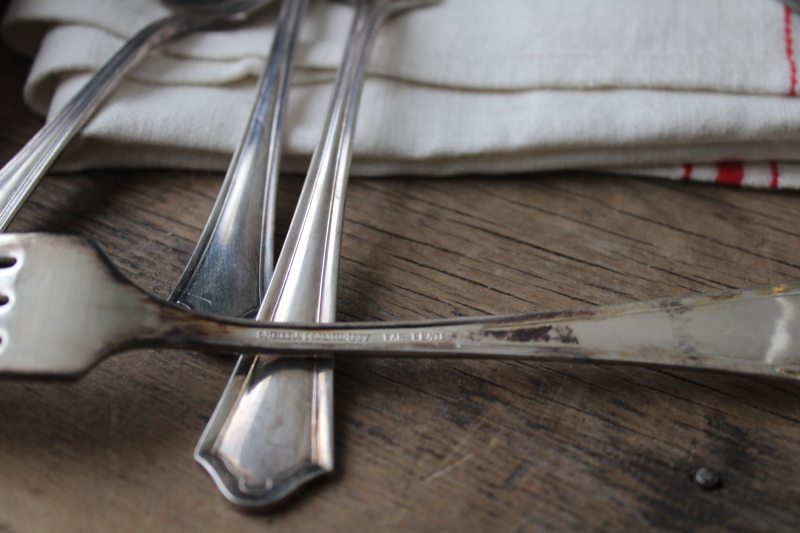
19 177
748 331
232 264
272 431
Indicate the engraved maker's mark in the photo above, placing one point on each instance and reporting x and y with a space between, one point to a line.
313 336
415 336
427 336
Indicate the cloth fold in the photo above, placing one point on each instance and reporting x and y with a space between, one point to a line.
680 89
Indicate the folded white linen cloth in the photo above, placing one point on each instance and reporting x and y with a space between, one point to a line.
686 89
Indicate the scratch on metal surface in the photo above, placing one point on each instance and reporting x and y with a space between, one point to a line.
206 300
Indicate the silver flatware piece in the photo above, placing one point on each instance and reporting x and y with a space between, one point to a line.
272 431
65 307
19 177
231 266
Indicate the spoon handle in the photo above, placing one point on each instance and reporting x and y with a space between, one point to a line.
232 262
19 177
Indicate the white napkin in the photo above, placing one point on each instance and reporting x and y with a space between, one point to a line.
685 89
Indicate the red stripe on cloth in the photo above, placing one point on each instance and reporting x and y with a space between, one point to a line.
687 172
730 173
789 38
776 174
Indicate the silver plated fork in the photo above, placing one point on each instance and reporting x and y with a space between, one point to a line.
64 307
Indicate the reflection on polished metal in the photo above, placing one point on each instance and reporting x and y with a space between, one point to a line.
232 264
273 429
62 320
19 177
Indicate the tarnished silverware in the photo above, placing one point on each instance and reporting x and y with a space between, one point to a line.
19 177
272 430
232 263
65 307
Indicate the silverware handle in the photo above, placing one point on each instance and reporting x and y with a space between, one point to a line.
752 331
231 265
304 283
19 177
272 430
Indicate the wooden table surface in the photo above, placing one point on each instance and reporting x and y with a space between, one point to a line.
427 445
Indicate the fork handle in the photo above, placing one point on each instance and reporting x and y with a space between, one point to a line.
752 331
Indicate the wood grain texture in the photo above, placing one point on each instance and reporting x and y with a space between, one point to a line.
427 445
